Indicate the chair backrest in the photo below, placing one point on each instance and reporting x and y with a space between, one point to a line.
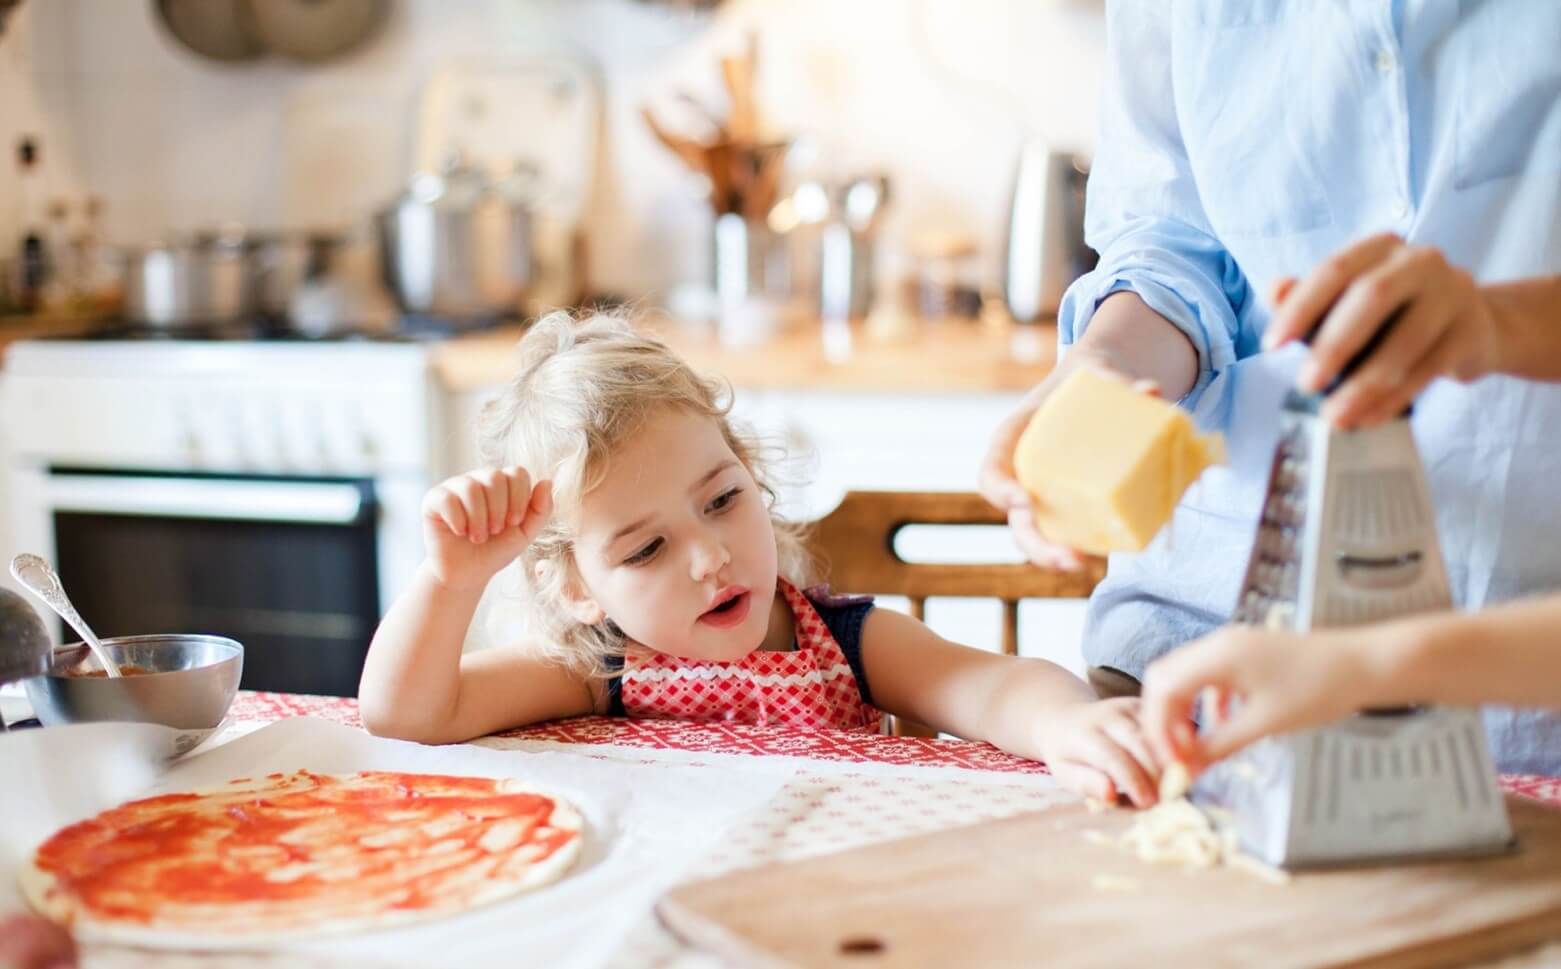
855 542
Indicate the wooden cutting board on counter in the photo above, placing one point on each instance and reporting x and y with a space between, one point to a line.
1036 890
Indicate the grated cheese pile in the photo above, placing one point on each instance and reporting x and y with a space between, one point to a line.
1174 832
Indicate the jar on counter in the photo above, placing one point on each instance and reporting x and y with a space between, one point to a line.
946 275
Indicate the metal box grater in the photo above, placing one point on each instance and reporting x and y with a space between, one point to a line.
1347 535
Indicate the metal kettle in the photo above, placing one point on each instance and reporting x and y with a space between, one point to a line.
1043 249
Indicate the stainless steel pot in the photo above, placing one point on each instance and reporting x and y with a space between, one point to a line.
459 244
200 280
288 262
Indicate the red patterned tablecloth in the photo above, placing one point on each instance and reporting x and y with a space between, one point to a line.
857 789
824 745
713 738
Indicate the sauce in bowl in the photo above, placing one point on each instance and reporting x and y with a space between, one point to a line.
127 669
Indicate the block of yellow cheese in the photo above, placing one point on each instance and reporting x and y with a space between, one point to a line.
1106 464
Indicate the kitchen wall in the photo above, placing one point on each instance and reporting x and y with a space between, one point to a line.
937 92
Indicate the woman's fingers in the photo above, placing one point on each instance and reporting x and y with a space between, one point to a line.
998 483
1367 305
1434 364
1210 670
1390 372
1281 289
1306 302
1170 690
1021 524
1253 721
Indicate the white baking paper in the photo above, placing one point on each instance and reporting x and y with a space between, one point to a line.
647 823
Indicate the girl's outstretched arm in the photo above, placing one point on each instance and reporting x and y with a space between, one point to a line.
1030 707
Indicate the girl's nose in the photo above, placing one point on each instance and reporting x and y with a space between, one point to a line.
710 556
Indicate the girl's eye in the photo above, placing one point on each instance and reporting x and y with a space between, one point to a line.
724 500
645 554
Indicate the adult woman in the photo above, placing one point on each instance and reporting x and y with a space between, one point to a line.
1402 160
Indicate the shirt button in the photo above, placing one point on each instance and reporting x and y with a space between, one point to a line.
1386 61
1400 208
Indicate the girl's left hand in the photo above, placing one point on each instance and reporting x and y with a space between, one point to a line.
1098 749
1445 329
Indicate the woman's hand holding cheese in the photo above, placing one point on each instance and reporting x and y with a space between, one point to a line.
1000 478
999 484
1126 340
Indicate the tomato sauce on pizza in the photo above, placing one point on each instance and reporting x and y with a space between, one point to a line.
305 850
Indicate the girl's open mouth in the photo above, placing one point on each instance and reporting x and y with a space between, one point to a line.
729 612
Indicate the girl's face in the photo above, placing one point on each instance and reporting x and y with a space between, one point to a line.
676 544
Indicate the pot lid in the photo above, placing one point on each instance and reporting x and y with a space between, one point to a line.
218 29
314 30
457 185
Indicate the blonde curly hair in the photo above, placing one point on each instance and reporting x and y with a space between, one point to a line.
584 386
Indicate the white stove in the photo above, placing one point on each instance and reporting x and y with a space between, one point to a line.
265 490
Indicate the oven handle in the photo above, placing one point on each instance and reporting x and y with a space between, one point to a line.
307 502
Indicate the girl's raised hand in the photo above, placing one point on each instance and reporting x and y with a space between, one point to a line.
1098 749
476 523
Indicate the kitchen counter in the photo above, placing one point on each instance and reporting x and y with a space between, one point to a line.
938 358
14 328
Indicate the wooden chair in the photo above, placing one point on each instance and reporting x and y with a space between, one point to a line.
855 544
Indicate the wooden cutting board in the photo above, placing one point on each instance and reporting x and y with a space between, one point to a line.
1036 890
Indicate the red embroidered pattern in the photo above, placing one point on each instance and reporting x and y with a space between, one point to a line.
730 738
685 735
808 688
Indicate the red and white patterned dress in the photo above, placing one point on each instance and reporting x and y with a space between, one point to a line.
810 687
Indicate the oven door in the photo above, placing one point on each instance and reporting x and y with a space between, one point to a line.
286 566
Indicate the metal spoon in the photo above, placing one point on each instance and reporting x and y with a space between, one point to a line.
42 581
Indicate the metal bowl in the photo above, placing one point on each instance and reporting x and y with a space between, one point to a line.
188 682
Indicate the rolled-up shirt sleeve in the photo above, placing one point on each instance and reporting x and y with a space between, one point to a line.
1143 213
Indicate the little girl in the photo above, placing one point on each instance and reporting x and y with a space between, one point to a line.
660 584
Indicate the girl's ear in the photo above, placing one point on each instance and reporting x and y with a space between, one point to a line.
577 599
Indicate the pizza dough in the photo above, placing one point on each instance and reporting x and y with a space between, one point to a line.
289 855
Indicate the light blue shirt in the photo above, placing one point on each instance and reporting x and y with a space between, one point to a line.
1244 140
